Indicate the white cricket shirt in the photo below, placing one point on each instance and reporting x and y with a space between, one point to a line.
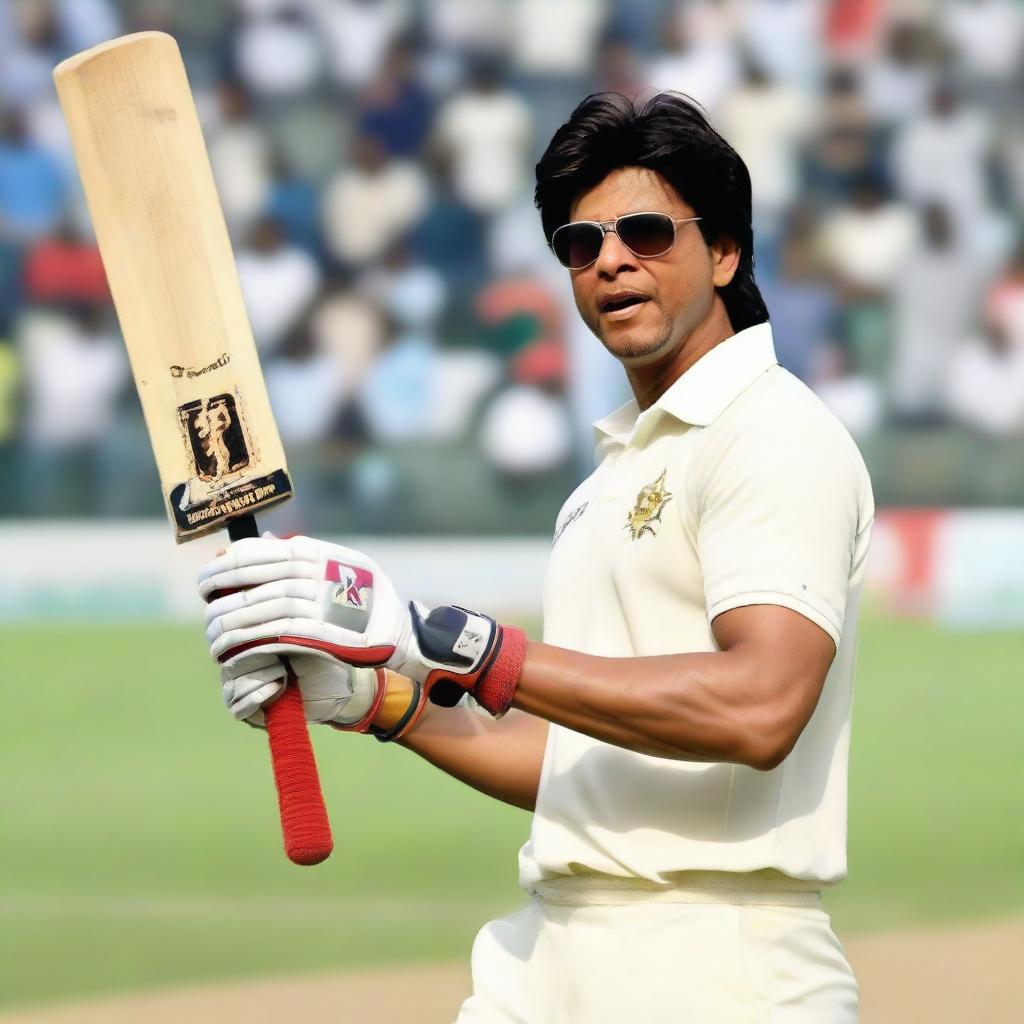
737 487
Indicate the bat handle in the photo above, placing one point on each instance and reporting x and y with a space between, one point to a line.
304 823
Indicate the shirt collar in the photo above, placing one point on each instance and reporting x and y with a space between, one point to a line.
701 394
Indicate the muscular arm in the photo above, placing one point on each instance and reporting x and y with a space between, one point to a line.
500 757
746 703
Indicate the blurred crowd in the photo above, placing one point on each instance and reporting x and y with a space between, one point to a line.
375 162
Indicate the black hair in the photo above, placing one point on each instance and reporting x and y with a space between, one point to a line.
668 133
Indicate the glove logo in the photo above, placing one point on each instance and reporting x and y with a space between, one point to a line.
351 599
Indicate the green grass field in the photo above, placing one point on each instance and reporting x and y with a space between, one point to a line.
138 834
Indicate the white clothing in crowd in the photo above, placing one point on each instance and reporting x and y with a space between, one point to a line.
985 35
941 159
706 71
526 430
72 378
489 135
784 38
358 35
868 247
935 295
985 387
765 124
277 287
365 211
304 394
240 155
278 58
568 40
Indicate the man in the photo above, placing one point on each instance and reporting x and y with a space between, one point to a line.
682 733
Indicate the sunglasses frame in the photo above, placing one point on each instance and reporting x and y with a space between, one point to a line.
612 226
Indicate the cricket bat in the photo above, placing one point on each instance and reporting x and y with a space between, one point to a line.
165 247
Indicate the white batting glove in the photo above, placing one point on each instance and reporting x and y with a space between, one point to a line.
332 693
302 595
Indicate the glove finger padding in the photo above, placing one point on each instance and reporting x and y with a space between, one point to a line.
349 611
250 683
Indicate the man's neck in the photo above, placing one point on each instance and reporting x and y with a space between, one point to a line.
650 382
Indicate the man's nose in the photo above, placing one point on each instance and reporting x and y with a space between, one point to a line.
614 255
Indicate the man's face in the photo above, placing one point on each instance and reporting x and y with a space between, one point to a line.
677 289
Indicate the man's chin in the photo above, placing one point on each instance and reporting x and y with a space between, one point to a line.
636 351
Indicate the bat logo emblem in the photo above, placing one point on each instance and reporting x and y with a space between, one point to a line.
650 503
215 436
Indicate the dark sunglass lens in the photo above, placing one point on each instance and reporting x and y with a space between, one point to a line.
577 245
647 234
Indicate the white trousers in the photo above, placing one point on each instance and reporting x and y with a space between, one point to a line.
656 962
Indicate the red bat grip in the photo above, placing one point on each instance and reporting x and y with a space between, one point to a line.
304 823
305 827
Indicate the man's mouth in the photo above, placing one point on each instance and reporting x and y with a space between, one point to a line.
622 300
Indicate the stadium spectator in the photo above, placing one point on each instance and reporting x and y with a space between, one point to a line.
350 329
556 39
468 29
784 38
696 60
802 307
898 82
525 432
484 134
293 201
33 190
305 390
240 157
277 50
278 280
395 109
29 47
75 370
941 157
413 294
936 293
865 244
985 37
65 268
370 203
844 146
451 237
1005 302
867 240
985 383
766 122
853 397
358 34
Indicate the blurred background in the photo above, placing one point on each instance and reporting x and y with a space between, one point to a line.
435 389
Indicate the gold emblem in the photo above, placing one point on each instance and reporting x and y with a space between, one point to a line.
650 503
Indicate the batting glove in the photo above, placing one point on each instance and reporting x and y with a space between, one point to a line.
332 693
302 595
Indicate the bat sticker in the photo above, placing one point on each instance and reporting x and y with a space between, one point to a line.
216 439
219 454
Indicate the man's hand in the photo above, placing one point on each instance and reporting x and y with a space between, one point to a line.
332 693
301 595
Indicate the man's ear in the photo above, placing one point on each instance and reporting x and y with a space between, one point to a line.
725 259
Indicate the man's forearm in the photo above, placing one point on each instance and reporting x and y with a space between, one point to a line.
500 757
718 706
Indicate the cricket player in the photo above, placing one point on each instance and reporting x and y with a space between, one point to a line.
681 734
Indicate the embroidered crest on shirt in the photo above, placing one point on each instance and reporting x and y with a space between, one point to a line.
650 503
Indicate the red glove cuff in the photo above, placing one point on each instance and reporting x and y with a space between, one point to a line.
497 685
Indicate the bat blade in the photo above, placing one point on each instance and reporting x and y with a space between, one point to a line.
165 247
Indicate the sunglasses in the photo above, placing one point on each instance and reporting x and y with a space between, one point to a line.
645 235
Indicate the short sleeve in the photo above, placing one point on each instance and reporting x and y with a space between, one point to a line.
778 509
